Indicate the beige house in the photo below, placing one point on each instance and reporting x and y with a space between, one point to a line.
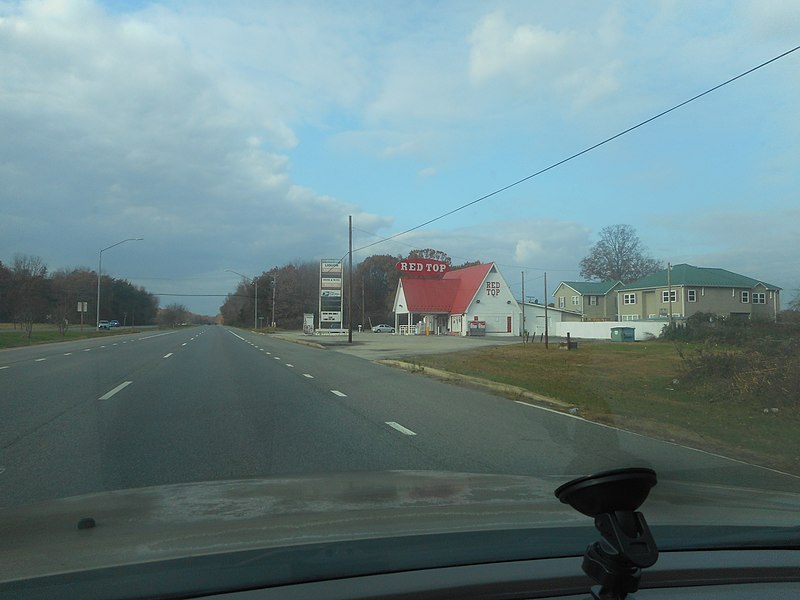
592 300
687 289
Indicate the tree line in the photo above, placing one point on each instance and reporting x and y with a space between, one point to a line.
30 294
294 287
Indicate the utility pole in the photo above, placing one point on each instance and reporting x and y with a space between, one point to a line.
350 281
669 293
523 307
362 302
546 328
255 308
274 285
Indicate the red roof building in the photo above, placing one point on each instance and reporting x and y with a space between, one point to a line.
471 301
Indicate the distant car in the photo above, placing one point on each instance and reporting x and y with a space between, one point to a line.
383 328
104 325
114 323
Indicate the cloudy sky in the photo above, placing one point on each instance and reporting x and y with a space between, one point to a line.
240 135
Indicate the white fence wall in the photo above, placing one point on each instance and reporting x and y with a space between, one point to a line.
601 330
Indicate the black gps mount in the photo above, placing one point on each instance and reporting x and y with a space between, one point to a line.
627 546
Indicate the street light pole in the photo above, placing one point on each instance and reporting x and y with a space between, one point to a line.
99 270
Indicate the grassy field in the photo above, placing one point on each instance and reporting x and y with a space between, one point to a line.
637 387
10 338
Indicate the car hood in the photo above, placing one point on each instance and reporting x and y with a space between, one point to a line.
197 519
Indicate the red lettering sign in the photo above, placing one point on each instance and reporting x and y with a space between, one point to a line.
423 267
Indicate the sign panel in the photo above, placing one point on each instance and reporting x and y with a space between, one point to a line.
423 267
330 292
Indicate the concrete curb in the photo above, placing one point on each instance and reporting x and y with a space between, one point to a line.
301 342
512 391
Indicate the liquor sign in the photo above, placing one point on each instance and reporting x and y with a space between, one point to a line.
422 267
330 291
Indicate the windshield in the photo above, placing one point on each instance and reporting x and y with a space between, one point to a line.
501 245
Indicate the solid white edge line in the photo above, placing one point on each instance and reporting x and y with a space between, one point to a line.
338 393
399 428
147 337
237 335
110 393
641 435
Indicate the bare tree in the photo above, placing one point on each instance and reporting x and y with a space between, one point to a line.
618 256
29 293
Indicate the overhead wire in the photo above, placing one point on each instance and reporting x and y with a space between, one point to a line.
581 153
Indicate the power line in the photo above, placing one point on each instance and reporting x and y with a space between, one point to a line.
582 152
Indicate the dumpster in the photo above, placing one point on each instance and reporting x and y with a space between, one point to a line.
477 328
623 334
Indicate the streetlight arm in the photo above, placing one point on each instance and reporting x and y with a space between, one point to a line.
99 271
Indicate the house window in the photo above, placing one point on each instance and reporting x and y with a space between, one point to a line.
592 300
692 295
629 298
561 302
630 317
576 300
759 298
745 297
669 296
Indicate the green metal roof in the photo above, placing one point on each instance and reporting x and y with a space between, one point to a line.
591 288
688 275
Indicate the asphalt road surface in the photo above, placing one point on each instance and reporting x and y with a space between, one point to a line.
210 403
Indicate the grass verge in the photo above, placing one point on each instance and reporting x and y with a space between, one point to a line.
636 387
15 339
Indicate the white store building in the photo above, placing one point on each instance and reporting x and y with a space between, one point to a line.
471 301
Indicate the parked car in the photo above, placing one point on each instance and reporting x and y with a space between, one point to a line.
114 323
104 325
383 328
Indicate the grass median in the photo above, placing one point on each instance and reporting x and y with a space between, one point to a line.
638 387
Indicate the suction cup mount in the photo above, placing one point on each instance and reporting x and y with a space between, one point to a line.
611 498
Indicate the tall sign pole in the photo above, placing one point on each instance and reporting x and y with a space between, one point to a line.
350 282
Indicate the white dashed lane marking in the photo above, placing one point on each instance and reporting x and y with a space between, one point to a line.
399 428
67 353
168 354
338 393
308 375
40 359
288 365
120 387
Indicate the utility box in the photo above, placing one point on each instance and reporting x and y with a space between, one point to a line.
623 334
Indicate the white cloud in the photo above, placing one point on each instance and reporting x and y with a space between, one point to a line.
427 172
519 52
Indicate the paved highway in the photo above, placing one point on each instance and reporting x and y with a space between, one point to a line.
217 403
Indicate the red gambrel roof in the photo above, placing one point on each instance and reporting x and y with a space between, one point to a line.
451 294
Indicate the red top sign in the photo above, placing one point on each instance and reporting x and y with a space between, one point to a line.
422 267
